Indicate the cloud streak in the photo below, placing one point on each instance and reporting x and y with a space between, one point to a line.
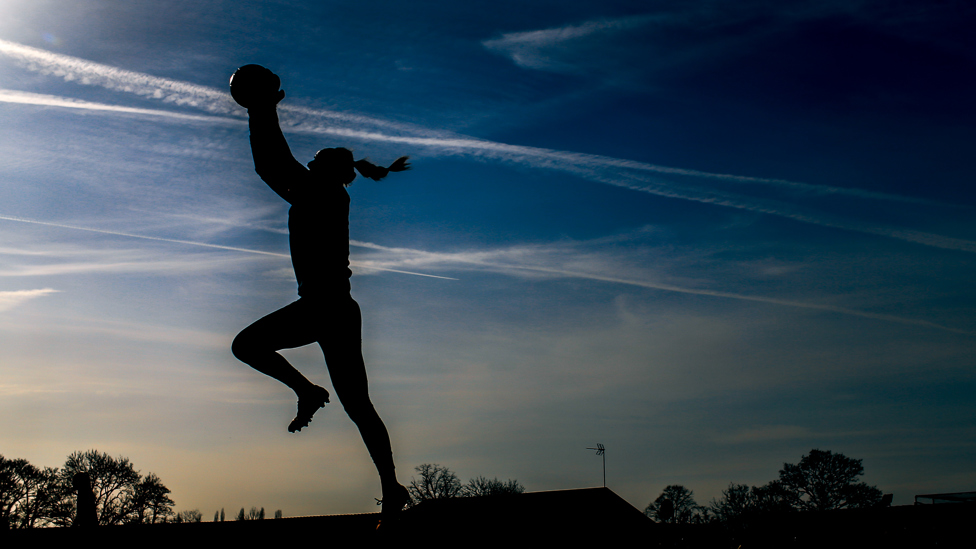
638 176
26 98
126 265
128 330
113 78
513 261
173 92
532 49
524 260
11 299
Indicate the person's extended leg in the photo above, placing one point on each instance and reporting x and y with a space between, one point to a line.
342 347
285 328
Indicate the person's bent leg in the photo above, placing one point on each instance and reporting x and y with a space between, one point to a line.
257 346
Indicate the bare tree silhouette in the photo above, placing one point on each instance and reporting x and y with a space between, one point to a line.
824 480
436 482
28 494
483 486
676 505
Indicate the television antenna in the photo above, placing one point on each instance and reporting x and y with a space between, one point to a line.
601 451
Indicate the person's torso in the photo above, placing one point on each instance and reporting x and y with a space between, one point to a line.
318 227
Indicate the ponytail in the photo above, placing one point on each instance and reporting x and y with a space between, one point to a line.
376 173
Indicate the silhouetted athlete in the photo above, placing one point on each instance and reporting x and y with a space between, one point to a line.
325 313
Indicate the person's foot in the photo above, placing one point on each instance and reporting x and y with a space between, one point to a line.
308 404
394 500
397 498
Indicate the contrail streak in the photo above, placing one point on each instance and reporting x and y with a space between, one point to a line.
174 92
472 259
213 100
629 174
760 299
216 101
579 164
583 165
202 244
555 159
14 96
113 78
144 237
451 258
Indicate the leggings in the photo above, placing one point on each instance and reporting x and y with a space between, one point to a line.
335 323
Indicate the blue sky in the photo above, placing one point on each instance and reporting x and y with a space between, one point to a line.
709 235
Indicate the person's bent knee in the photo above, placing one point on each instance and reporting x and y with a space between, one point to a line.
242 348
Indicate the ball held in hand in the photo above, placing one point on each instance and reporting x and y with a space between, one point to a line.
254 85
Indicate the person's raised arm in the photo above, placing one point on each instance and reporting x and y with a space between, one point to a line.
273 160
256 89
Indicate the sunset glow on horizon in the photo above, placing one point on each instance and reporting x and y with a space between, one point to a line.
710 237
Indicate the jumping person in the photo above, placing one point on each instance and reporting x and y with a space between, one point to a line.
325 313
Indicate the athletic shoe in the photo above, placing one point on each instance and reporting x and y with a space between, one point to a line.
392 504
307 406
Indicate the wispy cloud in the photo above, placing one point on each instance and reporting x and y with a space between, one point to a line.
128 330
566 262
313 121
638 176
634 175
121 262
173 92
26 98
144 237
535 49
153 264
674 33
11 299
57 259
550 261
113 78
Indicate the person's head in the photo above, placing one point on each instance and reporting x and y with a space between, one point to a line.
337 166
334 165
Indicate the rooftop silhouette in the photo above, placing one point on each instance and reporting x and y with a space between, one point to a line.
571 518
